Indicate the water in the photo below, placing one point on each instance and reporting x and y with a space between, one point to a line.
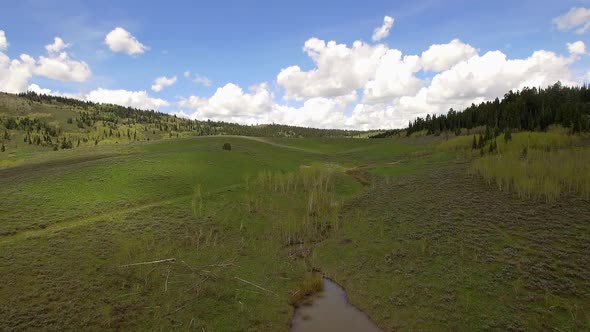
330 311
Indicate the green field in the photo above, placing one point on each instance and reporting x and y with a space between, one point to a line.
417 238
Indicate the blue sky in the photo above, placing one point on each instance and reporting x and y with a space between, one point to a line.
248 43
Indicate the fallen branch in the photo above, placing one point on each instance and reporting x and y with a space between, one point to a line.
169 260
166 284
259 287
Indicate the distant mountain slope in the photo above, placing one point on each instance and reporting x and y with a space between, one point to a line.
32 121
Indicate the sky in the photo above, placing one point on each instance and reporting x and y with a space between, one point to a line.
327 64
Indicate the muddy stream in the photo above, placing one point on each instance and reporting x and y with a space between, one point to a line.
330 311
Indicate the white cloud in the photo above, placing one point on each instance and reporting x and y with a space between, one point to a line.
362 86
203 80
3 41
37 89
15 74
162 82
383 31
393 93
231 103
61 67
120 40
316 112
378 116
486 77
576 48
339 70
394 77
441 57
577 18
57 46
137 99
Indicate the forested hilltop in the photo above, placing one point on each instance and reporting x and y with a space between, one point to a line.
53 122
532 109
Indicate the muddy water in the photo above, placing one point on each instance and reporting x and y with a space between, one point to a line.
330 311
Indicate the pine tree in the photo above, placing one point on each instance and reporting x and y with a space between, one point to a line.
481 142
488 133
507 136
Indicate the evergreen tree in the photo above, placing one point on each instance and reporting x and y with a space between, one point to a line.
488 133
507 136
474 144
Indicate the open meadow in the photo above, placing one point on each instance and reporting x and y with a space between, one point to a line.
180 234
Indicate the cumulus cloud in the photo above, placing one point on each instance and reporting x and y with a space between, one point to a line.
136 99
3 41
383 31
120 40
231 103
394 77
61 67
486 77
37 89
15 74
57 46
339 70
576 48
393 92
162 82
441 57
577 18
361 86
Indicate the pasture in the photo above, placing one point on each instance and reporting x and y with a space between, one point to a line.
180 234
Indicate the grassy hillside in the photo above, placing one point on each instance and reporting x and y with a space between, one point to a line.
418 241
120 219
32 123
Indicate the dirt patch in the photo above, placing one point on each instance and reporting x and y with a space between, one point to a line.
39 167
360 174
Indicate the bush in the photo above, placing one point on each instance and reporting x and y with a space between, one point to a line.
227 146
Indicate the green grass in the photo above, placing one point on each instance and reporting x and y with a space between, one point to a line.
417 242
539 165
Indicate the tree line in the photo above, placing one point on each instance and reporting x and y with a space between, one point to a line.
530 109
